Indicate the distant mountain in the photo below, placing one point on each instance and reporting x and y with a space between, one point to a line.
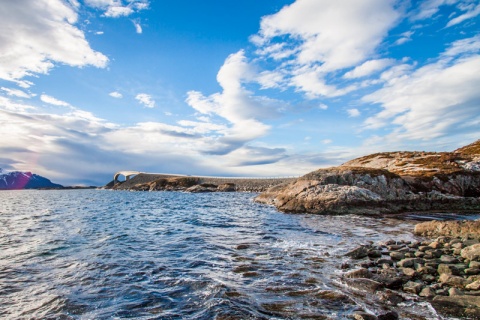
15 180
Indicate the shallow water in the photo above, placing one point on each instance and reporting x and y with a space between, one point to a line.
97 254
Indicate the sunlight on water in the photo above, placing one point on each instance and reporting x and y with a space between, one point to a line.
92 254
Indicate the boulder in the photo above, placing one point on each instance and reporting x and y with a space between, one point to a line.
471 252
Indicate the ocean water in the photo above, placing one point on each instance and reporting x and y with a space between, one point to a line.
98 254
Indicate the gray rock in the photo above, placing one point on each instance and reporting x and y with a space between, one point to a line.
358 253
448 259
472 252
397 255
359 273
427 292
412 287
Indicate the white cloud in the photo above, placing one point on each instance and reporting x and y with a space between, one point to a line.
138 27
51 100
472 12
314 38
323 106
117 8
17 93
146 100
353 112
327 141
405 37
116 94
369 67
38 34
438 99
99 32
338 33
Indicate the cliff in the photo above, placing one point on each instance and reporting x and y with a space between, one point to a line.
15 180
390 182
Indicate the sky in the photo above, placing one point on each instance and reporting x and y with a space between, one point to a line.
232 88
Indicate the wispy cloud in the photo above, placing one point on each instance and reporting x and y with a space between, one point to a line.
146 100
51 100
138 27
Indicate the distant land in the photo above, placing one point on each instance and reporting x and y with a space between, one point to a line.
18 180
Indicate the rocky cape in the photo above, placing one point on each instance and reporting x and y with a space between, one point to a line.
16 180
385 183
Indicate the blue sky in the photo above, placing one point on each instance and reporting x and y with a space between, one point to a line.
232 88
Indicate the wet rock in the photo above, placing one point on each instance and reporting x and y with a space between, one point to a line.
457 306
359 273
412 287
358 253
360 315
397 255
374 254
381 262
226 187
367 285
390 297
472 271
472 252
391 315
390 282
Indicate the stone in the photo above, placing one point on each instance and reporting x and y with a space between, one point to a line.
381 262
409 272
226 187
427 292
358 253
472 252
455 292
457 306
473 286
359 273
474 264
453 281
447 269
435 245
409 262
390 297
374 254
397 255
457 245
426 270
472 271
412 287
363 284
448 259
391 315
360 315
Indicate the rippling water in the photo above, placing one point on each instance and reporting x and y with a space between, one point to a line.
95 254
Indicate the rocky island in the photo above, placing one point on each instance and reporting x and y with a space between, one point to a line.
385 183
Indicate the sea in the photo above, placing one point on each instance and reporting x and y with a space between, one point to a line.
102 254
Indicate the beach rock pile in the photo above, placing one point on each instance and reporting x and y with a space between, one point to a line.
444 271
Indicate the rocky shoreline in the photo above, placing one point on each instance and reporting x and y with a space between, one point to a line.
152 182
386 183
444 271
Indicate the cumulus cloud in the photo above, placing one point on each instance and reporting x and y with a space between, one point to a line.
146 100
38 34
51 100
115 94
437 99
318 37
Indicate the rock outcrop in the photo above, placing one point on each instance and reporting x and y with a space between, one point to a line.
458 229
16 180
391 182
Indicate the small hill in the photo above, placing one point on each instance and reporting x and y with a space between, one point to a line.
419 163
16 180
387 182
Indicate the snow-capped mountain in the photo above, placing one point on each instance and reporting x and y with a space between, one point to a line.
24 180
